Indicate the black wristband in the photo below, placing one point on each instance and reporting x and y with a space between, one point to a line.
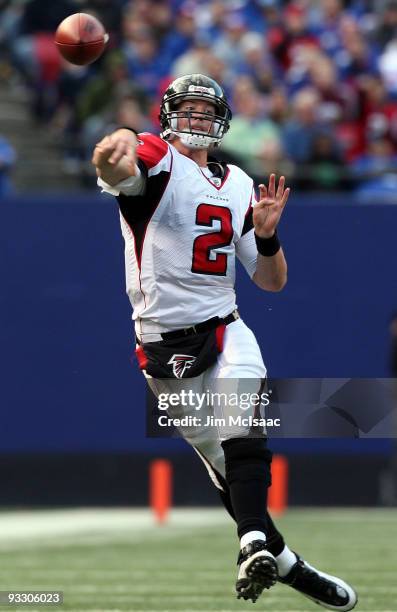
125 127
268 246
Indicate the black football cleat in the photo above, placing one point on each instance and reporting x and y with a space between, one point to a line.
257 571
327 591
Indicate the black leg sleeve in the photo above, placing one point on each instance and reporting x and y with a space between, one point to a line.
247 462
274 539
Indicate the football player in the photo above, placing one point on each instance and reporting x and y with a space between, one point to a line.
185 217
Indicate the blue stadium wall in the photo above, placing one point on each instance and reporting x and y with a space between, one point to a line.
72 398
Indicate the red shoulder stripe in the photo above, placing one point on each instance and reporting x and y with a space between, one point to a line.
151 149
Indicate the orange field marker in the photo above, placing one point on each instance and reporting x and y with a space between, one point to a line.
160 488
278 492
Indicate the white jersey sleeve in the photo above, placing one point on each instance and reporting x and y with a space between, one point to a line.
152 158
131 186
246 250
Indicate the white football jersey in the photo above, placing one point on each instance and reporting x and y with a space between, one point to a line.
181 238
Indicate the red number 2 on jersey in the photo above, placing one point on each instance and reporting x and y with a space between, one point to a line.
206 214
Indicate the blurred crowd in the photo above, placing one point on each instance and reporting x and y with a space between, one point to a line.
312 83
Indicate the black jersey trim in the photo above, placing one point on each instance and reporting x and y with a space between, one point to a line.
248 222
138 210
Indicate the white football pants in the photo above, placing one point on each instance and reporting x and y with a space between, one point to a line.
239 370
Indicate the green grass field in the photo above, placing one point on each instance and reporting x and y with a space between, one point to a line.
121 560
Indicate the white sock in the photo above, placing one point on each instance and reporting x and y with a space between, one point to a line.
251 536
285 560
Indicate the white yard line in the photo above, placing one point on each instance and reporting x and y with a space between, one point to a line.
97 524
338 515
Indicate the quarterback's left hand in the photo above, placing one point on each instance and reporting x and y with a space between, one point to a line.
267 212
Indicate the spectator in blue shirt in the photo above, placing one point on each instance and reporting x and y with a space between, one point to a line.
300 130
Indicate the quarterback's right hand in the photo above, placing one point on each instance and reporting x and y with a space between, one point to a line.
114 156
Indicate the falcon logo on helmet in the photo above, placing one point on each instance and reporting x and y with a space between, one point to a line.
195 87
181 363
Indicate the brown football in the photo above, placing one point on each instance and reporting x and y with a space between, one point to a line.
81 38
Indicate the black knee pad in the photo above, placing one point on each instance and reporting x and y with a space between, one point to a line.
247 459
